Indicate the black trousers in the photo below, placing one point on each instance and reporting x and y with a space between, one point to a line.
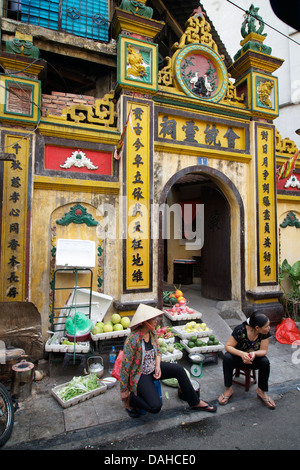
230 362
147 397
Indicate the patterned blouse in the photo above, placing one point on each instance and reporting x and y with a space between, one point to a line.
243 342
133 356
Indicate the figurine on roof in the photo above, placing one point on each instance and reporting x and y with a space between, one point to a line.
250 22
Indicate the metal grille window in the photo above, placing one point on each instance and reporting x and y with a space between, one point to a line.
85 18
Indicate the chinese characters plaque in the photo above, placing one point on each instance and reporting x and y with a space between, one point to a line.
15 214
138 263
266 206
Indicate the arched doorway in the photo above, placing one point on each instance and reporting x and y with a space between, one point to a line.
222 263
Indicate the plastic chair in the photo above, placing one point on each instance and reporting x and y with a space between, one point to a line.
248 373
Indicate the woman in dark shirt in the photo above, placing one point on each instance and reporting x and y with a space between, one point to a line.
247 347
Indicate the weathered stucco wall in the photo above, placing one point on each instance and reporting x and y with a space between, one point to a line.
49 206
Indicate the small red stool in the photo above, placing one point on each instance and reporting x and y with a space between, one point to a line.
248 373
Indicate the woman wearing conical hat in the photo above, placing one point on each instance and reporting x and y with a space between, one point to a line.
142 365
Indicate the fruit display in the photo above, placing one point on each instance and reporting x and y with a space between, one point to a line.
192 328
174 297
165 332
170 351
195 342
177 306
116 326
205 344
60 344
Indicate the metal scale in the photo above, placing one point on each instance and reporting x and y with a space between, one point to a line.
197 364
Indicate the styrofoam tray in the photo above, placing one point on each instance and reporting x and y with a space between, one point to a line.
202 349
112 334
80 398
100 303
183 316
167 340
83 347
176 355
180 331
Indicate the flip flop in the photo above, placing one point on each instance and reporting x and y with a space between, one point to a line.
267 402
225 398
133 413
208 407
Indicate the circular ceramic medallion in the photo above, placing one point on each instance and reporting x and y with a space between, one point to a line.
201 72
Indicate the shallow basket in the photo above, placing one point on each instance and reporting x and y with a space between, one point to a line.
80 398
179 330
202 349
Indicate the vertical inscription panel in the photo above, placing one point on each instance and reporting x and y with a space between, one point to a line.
14 219
266 206
138 176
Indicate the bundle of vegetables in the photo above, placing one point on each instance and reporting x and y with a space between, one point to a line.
78 386
174 382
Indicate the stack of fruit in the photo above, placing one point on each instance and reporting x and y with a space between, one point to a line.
165 333
174 297
116 323
170 351
165 347
195 342
192 327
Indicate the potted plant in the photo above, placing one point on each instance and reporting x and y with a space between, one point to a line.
291 299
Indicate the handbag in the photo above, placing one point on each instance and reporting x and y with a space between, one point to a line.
117 366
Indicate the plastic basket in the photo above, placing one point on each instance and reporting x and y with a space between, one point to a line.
80 398
179 330
202 349
183 316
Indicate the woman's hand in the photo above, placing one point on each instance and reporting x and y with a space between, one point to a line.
157 372
248 358
125 398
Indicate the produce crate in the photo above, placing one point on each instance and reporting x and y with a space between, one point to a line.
83 347
202 349
179 330
110 335
210 358
80 398
104 346
176 355
183 316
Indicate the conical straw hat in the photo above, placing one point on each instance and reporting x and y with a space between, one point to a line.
144 313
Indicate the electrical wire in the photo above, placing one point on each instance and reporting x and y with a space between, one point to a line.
266 24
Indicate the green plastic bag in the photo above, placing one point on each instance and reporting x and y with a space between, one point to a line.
78 324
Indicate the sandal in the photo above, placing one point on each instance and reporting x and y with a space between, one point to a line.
225 399
208 407
268 402
132 412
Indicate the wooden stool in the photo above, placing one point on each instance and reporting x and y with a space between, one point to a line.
248 373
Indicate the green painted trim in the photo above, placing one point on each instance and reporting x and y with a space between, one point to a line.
136 85
15 84
78 215
28 119
200 107
207 51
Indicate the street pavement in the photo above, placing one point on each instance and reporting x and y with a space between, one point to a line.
41 423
